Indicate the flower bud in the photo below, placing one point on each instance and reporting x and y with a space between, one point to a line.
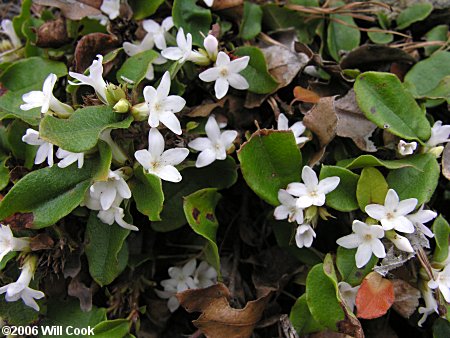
140 112
114 94
402 243
311 215
436 151
211 46
122 106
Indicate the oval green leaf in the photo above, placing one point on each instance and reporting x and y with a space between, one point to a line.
343 198
251 21
372 188
441 230
135 67
346 265
414 13
194 19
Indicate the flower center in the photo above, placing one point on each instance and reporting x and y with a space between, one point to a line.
367 237
390 215
313 193
157 106
224 72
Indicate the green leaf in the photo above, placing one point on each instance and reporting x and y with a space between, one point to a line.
19 149
441 328
342 37
67 313
135 67
372 188
441 91
437 33
106 249
386 103
52 193
10 255
441 230
426 75
270 160
117 328
417 183
4 174
346 264
301 318
199 211
343 198
147 193
256 73
17 313
194 19
144 8
321 297
380 37
364 161
219 174
251 21
80 132
19 20
414 13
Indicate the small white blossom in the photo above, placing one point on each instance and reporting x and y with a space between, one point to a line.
225 73
367 239
111 7
183 52
20 288
401 243
208 3
214 147
430 306
106 191
8 29
162 106
10 243
159 32
205 275
442 281
421 217
348 294
159 162
45 150
211 46
115 214
288 208
311 191
297 128
68 158
45 98
95 78
304 236
439 134
392 214
405 148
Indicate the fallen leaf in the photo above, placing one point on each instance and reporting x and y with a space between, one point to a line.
322 120
218 318
52 34
374 297
406 298
20 221
89 46
224 4
73 10
305 95
353 123
350 326
446 161
41 242
205 110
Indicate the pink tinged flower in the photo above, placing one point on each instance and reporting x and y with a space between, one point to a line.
392 214
115 214
159 32
297 128
311 191
439 134
304 236
45 150
205 275
442 281
8 29
68 158
183 52
421 217
162 106
9 243
430 306
214 146
348 294
45 98
111 8
159 162
21 290
225 73
94 79
367 239
405 148
288 208
107 191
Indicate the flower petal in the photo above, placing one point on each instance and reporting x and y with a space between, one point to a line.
174 156
283 122
212 129
221 87
164 87
222 59
406 206
309 177
378 248
200 143
144 158
363 254
297 189
237 81
240 64
171 121
206 157
391 200
155 143
350 241
172 53
209 75
375 211
403 224
174 103
169 173
328 184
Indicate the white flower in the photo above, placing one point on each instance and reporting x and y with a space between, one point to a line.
297 128
159 32
181 278
115 214
10 243
442 281
311 191
208 3
95 78
439 134
8 29
106 191
405 148
348 294
173 304
214 147
421 217
162 106
68 158
226 73
288 208
45 98
211 46
111 7
392 214
304 236
205 275
367 239
183 52
401 243
430 306
159 162
21 289
45 150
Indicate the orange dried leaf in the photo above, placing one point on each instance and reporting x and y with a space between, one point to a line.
305 95
374 297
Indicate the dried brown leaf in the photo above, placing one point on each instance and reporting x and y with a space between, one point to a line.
41 242
89 46
73 10
446 161
224 4
218 318
204 110
20 221
406 298
305 95
322 120
52 34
